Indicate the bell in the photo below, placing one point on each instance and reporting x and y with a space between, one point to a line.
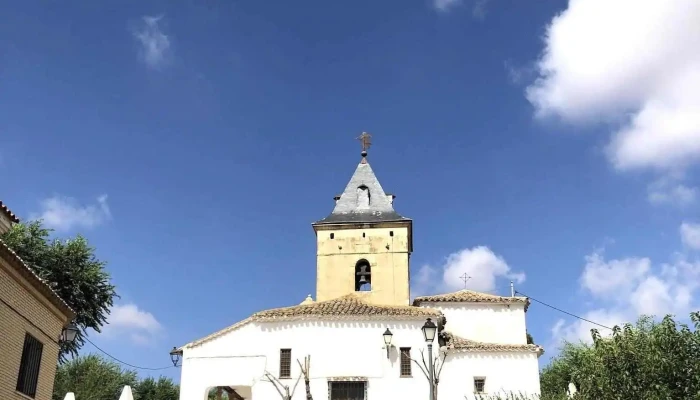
363 280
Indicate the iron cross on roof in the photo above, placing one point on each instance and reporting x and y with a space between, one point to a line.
465 278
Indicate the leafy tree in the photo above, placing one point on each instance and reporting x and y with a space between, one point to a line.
72 270
649 360
92 377
162 389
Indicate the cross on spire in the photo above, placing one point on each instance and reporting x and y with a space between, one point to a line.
366 140
465 278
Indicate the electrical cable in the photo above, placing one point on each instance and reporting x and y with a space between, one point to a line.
562 311
125 363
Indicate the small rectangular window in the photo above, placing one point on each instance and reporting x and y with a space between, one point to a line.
405 361
479 385
29 366
391 233
332 235
285 363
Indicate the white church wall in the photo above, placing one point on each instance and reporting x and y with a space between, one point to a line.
503 372
338 350
483 322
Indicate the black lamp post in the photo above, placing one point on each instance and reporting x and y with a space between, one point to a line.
387 340
175 356
69 333
429 330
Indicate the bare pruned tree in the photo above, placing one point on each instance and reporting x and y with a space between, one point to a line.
282 389
305 371
438 363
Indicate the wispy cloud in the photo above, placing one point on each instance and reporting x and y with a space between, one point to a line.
128 319
65 213
154 45
479 9
445 5
690 235
483 267
620 290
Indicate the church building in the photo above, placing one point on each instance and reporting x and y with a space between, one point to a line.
362 338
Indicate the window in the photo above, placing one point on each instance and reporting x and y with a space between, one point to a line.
285 363
347 390
391 233
479 385
29 366
363 234
405 361
363 197
363 276
332 235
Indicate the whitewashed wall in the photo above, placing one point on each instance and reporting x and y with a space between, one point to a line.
491 323
341 349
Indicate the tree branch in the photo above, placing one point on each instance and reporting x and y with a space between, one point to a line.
275 382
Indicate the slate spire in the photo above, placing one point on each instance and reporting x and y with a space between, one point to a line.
363 199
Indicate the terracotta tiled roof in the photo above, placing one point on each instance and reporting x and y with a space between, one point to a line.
351 307
8 213
470 296
39 284
460 344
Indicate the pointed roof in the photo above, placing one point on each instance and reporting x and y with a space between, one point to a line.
351 209
470 296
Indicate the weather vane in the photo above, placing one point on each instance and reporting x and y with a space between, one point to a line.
366 140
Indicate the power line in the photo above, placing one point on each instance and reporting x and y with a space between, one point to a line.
562 311
126 363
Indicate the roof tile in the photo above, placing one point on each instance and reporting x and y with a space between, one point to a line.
470 296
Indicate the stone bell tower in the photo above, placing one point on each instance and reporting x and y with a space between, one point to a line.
364 246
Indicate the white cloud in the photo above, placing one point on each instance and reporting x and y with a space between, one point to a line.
669 191
690 235
480 263
64 213
446 5
629 63
623 289
478 7
127 319
154 44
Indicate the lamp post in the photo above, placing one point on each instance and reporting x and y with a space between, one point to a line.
387 340
69 333
429 329
175 356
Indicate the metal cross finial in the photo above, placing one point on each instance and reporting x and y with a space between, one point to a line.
366 140
465 278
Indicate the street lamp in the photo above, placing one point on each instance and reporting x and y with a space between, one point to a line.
69 333
429 329
387 340
175 356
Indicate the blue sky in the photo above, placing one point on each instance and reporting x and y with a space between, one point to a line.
555 143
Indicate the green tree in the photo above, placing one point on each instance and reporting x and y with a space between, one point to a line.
649 360
161 389
72 270
92 377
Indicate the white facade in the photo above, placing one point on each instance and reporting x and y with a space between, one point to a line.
484 322
345 350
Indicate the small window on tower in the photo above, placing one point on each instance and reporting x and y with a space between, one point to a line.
332 235
363 234
363 276
391 233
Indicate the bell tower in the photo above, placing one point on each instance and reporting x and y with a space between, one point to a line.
364 246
